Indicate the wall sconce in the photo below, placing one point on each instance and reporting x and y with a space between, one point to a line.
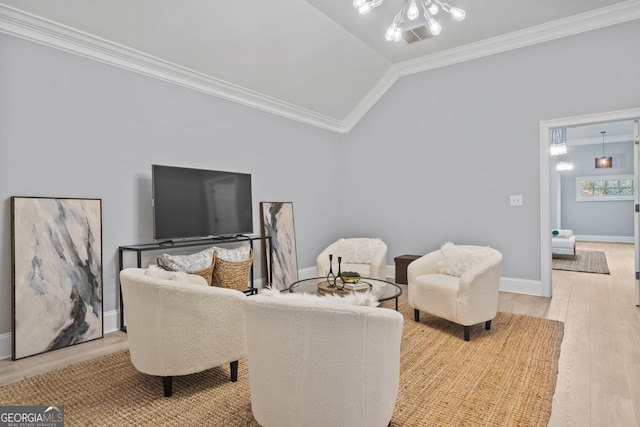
603 162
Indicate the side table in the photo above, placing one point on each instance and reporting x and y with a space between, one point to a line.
402 262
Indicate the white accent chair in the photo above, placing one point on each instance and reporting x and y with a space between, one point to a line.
367 256
313 362
563 243
467 296
177 328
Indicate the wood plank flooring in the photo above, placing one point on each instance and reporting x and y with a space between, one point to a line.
598 380
599 368
599 374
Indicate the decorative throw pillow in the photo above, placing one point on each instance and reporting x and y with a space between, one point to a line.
357 252
188 263
238 254
456 260
367 299
161 273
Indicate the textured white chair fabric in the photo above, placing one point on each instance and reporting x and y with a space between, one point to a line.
363 255
177 328
467 299
564 243
321 363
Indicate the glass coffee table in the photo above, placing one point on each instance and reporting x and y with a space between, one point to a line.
381 288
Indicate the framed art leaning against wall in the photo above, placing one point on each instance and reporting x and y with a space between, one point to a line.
56 273
277 222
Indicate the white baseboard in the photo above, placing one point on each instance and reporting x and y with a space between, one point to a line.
5 345
507 284
307 273
608 239
521 286
111 324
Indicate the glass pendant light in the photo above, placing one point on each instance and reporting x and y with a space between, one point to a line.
410 10
558 144
564 164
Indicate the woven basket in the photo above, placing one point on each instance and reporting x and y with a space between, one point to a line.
234 275
207 273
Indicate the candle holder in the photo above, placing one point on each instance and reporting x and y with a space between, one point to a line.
339 287
331 278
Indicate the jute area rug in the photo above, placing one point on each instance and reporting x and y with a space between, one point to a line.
502 377
584 261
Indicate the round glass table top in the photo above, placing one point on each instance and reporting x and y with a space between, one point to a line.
381 288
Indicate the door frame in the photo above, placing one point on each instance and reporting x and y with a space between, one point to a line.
636 202
545 180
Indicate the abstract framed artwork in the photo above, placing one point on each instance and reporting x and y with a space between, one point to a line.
277 222
56 273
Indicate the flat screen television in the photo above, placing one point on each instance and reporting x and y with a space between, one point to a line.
197 203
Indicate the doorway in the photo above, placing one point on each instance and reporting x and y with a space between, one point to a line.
545 184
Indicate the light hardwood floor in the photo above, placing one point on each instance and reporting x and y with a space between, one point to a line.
599 368
598 380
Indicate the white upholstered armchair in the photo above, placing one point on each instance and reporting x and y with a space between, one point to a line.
363 255
457 283
177 328
313 362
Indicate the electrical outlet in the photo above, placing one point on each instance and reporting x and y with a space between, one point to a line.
516 200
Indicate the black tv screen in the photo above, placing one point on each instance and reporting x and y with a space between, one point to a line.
197 203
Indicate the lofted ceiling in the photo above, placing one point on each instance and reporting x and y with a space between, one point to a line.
316 61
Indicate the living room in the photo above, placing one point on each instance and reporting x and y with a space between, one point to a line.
435 159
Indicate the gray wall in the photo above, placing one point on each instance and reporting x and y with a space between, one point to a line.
454 143
436 158
72 127
606 219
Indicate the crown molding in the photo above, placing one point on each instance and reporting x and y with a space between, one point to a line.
588 21
599 18
42 31
371 98
26 26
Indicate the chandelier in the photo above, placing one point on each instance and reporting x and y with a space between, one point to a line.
603 162
411 10
559 148
558 144
564 164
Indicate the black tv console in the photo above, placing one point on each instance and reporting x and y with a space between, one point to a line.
175 244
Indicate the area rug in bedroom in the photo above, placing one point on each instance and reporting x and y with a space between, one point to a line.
502 377
584 261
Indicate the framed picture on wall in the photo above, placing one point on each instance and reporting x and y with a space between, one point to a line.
277 222
56 273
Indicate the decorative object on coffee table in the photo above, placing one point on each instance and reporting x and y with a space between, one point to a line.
364 255
277 223
331 278
56 251
325 287
350 277
382 289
